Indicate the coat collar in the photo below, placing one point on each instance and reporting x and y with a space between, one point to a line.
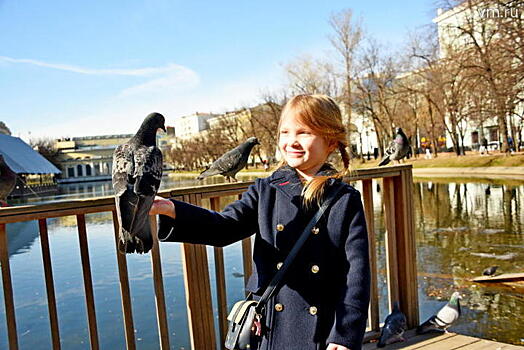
286 180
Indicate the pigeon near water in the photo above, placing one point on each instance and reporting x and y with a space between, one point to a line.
490 271
7 181
231 162
137 171
394 327
398 148
446 316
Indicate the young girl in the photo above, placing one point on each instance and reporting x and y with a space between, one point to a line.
323 301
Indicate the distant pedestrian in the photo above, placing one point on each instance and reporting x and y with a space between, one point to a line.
484 146
428 154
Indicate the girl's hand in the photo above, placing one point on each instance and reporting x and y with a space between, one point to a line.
162 206
332 346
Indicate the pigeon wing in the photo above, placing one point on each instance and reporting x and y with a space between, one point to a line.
125 197
147 174
227 162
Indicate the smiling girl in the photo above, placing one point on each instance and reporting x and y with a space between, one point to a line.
324 298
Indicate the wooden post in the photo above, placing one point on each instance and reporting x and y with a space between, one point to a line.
367 192
49 284
406 247
388 200
88 281
159 288
8 290
124 290
220 278
198 291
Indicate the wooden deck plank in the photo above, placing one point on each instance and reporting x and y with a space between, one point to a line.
491 345
456 342
413 341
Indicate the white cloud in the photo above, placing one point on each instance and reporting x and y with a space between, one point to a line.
137 72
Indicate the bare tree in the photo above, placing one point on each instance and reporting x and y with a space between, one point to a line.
308 75
347 36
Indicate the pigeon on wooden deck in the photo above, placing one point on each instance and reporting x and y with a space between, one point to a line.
398 148
490 271
137 171
231 162
446 316
394 327
7 181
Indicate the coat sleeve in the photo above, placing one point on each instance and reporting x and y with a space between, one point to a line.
197 225
352 309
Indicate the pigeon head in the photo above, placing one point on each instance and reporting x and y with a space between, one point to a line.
455 297
253 140
146 135
155 121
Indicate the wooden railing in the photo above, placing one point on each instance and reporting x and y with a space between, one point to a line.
400 254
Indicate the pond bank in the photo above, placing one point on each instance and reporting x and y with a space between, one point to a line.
485 172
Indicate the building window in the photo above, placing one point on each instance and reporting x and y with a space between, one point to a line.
79 171
70 172
475 137
88 170
494 134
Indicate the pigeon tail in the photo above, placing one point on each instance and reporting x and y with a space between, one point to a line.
384 161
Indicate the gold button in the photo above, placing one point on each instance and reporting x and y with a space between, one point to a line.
279 265
313 310
315 268
280 227
279 307
315 230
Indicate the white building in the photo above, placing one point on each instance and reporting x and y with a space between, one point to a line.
191 125
450 35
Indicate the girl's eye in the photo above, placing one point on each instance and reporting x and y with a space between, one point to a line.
283 131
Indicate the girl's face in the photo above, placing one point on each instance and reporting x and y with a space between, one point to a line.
301 149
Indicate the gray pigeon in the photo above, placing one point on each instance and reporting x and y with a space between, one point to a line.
490 271
231 162
394 327
7 181
137 171
446 316
398 148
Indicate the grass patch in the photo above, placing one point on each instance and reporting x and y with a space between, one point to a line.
452 161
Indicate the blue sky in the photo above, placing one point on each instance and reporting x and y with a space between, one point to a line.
78 68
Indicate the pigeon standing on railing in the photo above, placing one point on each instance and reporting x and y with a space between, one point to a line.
446 316
394 327
137 171
231 162
398 148
7 181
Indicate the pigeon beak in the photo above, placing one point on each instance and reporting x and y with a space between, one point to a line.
163 127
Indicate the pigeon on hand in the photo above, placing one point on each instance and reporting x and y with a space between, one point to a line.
490 271
231 162
394 327
446 316
137 171
7 181
398 148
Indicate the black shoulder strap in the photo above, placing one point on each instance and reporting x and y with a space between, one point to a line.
277 279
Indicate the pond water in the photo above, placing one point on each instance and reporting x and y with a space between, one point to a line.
462 227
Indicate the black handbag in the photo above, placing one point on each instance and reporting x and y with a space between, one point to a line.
245 319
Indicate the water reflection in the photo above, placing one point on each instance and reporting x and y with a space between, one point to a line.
462 227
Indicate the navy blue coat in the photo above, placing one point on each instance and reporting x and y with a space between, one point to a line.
325 296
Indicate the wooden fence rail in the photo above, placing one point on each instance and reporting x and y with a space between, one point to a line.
397 186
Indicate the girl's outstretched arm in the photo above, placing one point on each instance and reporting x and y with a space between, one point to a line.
183 222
